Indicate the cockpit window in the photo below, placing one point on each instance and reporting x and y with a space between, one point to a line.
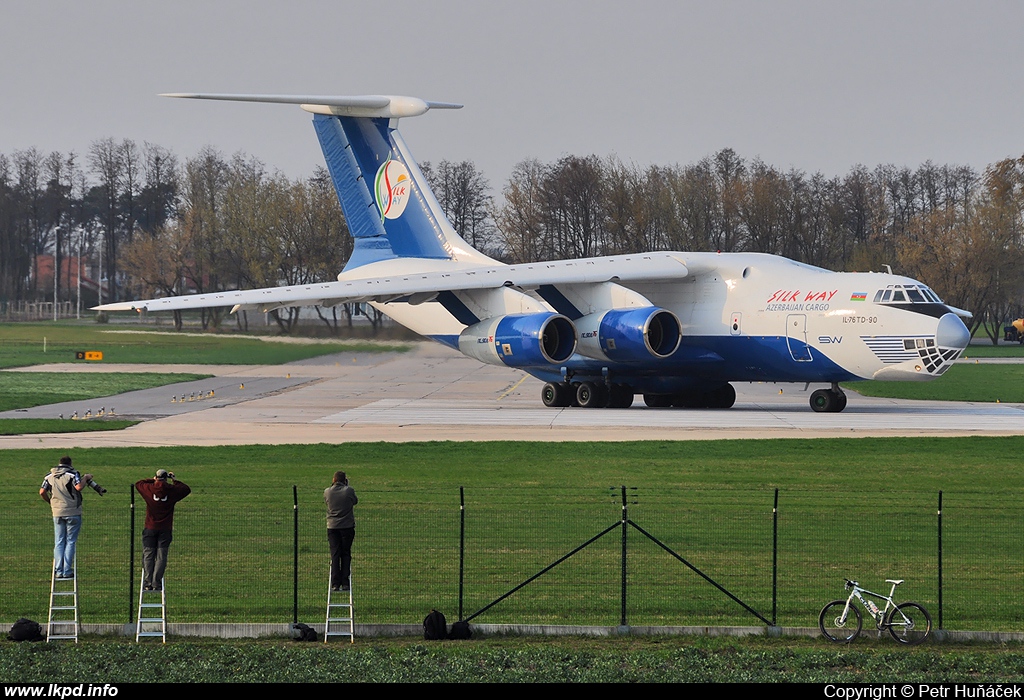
904 293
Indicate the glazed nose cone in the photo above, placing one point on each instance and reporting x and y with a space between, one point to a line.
952 333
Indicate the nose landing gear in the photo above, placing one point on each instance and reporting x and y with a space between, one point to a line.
831 400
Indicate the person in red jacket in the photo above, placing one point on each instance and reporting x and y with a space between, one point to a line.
160 494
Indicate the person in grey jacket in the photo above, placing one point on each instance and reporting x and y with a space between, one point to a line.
341 529
62 489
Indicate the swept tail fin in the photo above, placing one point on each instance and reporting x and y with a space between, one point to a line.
390 210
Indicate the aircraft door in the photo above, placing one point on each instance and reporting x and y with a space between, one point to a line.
796 337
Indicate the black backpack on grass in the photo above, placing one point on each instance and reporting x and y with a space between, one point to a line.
460 630
26 630
435 626
301 632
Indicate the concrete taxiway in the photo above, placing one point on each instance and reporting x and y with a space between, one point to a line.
435 393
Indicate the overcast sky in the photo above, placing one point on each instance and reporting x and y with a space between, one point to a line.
809 85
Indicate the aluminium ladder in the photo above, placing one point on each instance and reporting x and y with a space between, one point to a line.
340 617
63 604
147 624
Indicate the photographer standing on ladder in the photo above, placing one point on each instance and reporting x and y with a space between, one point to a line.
341 529
160 494
62 489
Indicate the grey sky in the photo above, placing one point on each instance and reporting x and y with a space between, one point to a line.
810 85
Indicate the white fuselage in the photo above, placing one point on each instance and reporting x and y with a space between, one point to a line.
757 317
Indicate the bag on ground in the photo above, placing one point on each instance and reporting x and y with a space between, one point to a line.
435 626
26 630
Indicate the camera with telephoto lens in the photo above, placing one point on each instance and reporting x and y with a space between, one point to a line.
96 487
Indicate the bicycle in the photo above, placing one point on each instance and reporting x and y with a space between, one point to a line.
908 623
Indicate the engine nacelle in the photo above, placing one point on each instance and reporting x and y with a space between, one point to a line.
629 335
520 340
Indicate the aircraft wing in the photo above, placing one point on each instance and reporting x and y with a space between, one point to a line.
643 267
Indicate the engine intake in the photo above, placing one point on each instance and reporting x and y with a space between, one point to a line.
520 340
629 335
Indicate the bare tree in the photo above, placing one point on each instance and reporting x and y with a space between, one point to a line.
130 186
106 164
159 196
158 264
521 219
573 197
462 192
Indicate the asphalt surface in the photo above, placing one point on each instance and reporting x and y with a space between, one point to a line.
435 393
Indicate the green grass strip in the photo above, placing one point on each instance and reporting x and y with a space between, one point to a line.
848 508
962 382
24 344
1007 350
28 389
509 660
37 426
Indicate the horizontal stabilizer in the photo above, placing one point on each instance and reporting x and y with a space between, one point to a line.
374 106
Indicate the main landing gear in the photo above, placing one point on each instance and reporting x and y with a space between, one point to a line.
722 397
828 400
586 395
600 395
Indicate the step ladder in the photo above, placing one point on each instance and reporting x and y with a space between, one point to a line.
340 618
148 624
62 622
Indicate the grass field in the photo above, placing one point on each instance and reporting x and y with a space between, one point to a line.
36 426
28 389
508 660
962 382
1007 350
22 344
862 509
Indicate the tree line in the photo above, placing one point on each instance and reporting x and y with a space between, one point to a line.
148 223
958 230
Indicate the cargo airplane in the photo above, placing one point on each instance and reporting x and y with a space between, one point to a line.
674 327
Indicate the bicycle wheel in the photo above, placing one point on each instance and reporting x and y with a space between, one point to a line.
839 623
909 623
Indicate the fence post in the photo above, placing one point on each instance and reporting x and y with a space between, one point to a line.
131 553
462 544
775 558
625 519
295 554
940 558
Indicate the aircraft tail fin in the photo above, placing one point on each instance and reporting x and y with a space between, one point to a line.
388 205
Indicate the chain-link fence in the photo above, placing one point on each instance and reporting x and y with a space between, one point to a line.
667 556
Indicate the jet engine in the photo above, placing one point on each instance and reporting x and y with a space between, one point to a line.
629 335
520 340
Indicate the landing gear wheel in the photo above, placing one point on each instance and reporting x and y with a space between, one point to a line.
832 625
828 400
591 395
824 401
909 623
556 395
722 397
658 400
620 396
688 399
842 402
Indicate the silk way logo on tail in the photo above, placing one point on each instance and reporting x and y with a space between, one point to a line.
392 189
